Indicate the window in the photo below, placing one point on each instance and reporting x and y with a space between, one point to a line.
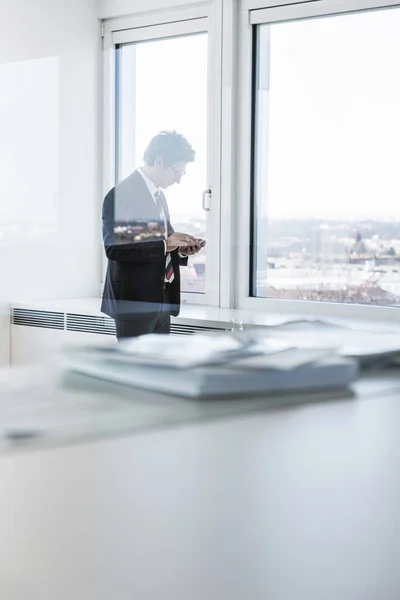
157 91
297 137
326 150
159 77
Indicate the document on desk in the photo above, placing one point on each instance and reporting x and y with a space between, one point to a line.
183 352
373 345
203 366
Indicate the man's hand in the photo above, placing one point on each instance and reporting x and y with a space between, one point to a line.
180 240
193 249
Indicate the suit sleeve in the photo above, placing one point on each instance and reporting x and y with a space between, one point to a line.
182 262
119 249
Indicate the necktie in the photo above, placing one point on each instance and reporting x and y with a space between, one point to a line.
169 270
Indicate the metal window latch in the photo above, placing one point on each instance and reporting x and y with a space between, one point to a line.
206 196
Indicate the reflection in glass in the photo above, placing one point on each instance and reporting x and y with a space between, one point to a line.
29 151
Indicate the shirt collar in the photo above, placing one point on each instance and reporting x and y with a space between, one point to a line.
153 189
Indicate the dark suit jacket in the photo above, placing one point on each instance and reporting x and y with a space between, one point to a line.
133 236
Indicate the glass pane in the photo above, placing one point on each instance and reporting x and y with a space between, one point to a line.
29 151
326 184
157 91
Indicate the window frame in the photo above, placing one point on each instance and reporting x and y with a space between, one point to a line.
230 24
254 13
160 24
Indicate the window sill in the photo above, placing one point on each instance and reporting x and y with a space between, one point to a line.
207 316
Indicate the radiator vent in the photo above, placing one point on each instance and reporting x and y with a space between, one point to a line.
179 329
90 324
38 318
80 323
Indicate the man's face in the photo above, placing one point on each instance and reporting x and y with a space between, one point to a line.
170 174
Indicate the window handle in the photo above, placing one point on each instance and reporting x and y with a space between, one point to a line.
206 194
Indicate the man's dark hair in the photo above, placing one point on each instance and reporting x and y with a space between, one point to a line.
171 146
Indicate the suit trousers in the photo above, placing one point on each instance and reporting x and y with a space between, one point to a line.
141 324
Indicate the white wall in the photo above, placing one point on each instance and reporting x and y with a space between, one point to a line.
49 199
108 9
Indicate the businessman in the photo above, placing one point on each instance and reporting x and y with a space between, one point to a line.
142 286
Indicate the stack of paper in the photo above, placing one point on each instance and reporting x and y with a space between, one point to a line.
201 365
371 345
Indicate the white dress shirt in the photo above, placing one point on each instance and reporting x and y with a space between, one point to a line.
153 189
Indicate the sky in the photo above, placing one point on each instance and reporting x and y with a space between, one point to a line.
329 121
333 147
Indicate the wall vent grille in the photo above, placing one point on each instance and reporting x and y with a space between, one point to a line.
81 323
181 329
38 318
90 324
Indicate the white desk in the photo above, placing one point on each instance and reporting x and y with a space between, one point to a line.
291 504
